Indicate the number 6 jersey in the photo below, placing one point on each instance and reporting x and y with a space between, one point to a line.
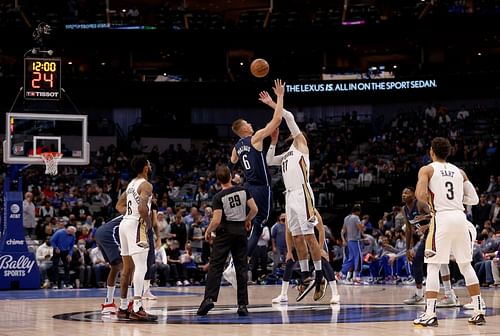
447 187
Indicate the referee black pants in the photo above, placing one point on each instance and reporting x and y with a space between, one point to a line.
223 244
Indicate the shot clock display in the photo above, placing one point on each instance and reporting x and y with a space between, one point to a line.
42 78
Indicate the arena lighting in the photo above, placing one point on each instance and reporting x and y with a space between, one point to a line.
353 23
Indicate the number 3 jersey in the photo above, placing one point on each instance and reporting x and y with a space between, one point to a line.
233 203
253 162
447 187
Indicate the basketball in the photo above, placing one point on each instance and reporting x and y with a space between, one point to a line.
259 68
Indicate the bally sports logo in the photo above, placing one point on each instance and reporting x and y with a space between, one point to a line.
15 267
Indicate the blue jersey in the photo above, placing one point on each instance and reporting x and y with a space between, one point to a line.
253 162
411 214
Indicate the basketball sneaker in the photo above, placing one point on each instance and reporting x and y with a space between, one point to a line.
108 308
304 288
124 314
448 301
425 320
141 315
149 296
335 299
477 318
280 299
320 290
415 299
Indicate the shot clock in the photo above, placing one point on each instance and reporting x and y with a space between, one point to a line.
42 78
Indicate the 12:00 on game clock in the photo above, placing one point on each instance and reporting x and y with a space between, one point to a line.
42 78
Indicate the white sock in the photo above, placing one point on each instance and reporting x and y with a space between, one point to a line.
478 303
333 286
431 306
317 265
349 275
110 295
147 284
304 265
284 288
420 292
123 304
447 287
137 304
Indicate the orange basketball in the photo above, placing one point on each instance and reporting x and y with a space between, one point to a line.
259 68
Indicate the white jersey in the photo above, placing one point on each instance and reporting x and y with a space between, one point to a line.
447 187
295 169
133 199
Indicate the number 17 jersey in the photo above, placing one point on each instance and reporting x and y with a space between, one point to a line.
447 187
253 162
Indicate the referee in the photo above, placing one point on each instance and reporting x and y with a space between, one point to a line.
230 223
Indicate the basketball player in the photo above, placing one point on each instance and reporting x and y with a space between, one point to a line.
291 257
108 239
133 237
230 223
417 216
447 188
299 206
248 150
153 245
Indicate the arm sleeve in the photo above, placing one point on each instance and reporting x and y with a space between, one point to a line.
290 122
271 158
470 194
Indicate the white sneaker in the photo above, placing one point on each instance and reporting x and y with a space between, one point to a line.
108 308
425 320
178 283
280 299
230 275
470 306
186 283
448 301
335 299
148 295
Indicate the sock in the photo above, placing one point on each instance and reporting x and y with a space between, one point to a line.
111 293
137 304
123 303
349 276
317 265
447 287
130 294
333 286
147 284
318 276
304 275
284 288
420 292
304 265
430 308
478 303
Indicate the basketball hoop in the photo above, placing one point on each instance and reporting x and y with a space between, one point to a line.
51 159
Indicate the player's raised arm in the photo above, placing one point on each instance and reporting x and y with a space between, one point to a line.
271 158
279 90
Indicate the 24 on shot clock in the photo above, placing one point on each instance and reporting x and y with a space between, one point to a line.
42 78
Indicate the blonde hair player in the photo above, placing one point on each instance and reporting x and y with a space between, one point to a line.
447 189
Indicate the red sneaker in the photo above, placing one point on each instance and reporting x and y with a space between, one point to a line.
108 308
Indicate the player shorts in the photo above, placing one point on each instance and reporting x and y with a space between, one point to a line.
300 211
131 233
449 233
108 239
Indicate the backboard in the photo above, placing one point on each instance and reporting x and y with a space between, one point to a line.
27 135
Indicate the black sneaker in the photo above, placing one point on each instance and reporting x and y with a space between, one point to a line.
477 319
242 310
304 288
123 314
141 315
205 307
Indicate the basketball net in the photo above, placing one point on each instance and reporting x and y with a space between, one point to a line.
51 159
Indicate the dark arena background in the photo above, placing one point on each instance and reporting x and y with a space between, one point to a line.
371 83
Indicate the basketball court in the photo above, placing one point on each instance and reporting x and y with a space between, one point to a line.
364 310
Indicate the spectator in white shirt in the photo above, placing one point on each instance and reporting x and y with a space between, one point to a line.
29 220
44 261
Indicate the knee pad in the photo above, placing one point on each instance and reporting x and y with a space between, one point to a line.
469 274
432 283
444 270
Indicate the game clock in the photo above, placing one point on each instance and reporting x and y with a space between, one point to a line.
42 78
